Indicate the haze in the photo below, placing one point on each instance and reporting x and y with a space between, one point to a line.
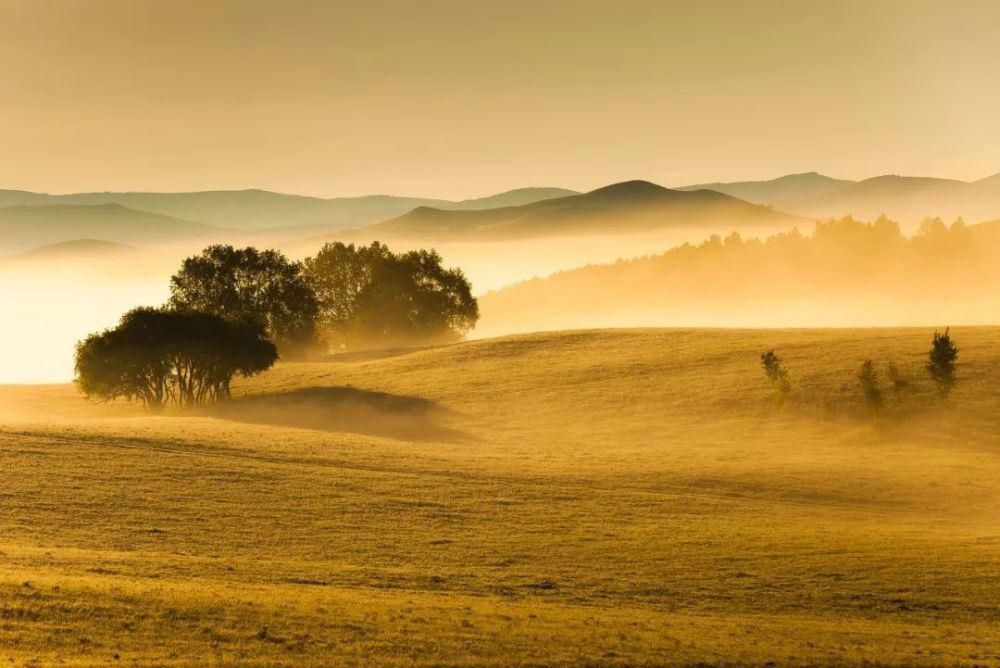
458 99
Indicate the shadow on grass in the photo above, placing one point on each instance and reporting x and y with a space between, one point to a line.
345 409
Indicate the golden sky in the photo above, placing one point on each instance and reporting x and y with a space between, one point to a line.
454 99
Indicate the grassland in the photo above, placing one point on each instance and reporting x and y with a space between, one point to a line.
599 497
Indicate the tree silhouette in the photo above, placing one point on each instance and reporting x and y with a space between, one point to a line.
369 296
162 356
250 285
776 373
941 362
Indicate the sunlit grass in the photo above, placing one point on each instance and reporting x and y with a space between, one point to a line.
583 497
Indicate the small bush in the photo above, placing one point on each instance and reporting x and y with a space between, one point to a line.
901 383
871 389
941 363
777 375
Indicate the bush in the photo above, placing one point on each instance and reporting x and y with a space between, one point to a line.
777 375
901 383
941 363
871 389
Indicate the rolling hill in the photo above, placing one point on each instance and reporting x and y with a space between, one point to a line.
908 199
617 497
905 198
87 249
776 191
259 210
631 206
24 227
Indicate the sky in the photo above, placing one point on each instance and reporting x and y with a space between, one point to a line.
459 99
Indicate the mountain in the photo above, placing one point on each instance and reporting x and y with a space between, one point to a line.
79 248
908 199
775 191
517 197
632 206
264 210
22 227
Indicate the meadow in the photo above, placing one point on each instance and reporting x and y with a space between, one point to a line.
600 497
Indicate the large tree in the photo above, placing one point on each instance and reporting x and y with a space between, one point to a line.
371 297
249 284
160 356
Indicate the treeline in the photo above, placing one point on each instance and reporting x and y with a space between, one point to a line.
232 311
845 272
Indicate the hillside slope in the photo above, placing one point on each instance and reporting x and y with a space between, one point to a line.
632 206
584 498
843 273
23 227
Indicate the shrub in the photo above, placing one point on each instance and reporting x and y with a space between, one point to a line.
901 383
871 389
777 375
941 363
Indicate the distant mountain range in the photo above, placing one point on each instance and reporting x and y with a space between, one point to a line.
30 219
24 227
907 199
263 210
632 206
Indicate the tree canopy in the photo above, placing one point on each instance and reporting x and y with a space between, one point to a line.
369 296
247 284
163 356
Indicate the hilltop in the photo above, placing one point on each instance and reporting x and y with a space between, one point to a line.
631 206
779 190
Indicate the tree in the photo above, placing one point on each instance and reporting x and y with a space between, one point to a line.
941 362
871 389
250 285
161 356
776 373
369 296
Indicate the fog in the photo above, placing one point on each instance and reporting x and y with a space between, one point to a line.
845 274
51 302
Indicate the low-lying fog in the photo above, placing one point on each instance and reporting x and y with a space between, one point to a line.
49 303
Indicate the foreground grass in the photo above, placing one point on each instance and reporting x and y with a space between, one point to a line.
584 497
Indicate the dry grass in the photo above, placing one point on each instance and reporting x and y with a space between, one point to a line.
601 497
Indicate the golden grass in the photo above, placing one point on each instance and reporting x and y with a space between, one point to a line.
598 497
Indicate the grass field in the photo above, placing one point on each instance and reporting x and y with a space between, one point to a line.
596 497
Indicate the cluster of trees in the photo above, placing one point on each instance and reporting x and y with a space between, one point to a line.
941 366
369 296
161 356
231 311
